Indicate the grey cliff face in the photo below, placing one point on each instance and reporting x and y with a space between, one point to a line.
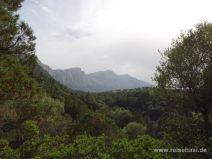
101 81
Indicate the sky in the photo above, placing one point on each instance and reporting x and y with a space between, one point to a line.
119 35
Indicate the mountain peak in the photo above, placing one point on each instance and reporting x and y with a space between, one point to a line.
76 79
74 69
106 72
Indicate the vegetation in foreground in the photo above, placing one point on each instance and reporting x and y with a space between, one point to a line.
42 119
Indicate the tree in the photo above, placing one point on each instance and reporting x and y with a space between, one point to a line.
122 148
144 147
15 84
16 37
134 129
88 147
186 73
6 152
121 116
29 129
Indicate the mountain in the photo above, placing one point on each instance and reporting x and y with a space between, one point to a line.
77 79
108 80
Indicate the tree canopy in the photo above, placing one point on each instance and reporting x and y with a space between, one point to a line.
42 119
16 37
186 71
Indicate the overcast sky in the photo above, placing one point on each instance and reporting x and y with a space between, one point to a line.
119 35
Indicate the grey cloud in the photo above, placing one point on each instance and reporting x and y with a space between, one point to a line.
88 34
41 5
73 33
132 51
52 12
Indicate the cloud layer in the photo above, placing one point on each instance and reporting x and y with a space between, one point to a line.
120 35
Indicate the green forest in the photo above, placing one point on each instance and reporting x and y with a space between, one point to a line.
42 119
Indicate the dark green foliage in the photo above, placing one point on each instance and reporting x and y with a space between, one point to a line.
121 117
133 129
11 71
35 122
42 119
86 147
49 85
29 130
6 152
136 99
16 37
31 117
11 5
183 79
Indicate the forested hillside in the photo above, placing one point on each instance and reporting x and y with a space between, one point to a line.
42 119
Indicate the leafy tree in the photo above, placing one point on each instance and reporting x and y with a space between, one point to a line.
6 152
37 112
143 148
88 147
17 91
121 148
134 129
30 129
15 83
121 116
76 108
134 99
185 75
45 147
16 37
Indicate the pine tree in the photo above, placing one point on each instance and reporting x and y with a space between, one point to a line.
16 37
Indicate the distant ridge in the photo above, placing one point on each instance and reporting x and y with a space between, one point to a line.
76 79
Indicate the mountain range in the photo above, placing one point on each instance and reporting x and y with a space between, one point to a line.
76 79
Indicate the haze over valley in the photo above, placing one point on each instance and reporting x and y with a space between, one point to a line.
77 79
119 35
83 79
